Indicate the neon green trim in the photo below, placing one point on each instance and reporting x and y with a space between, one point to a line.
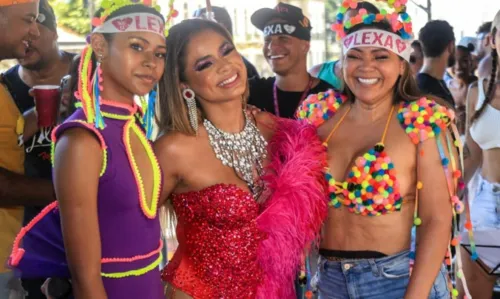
151 210
137 272
99 136
148 211
52 153
104 162
117 116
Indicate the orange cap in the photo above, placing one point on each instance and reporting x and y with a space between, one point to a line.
13 2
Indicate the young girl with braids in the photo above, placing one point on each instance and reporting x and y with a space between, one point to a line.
393 169
483 143
107 179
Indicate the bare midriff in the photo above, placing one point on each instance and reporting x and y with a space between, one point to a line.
387 234
489 168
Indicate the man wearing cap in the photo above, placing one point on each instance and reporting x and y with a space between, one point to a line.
44 64
17 29
222 17
287 36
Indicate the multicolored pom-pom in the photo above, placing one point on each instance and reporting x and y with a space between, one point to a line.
318 108
371 188
400 20
474 256
468 225
424 119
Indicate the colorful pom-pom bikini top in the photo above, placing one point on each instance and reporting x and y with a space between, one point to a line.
371 187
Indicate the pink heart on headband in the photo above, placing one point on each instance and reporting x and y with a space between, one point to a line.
122 24
348 41
401 45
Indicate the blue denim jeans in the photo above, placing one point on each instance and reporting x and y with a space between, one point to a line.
4 284
383 278
10 286
485 209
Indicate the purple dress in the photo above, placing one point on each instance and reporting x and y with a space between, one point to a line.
128 223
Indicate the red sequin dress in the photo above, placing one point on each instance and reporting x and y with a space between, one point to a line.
218 243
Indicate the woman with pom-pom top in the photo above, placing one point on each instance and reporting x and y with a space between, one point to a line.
103 231
481 151
246 189
393 169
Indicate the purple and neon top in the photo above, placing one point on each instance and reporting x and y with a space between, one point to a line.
127 214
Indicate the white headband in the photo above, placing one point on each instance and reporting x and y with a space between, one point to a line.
380 39
134 22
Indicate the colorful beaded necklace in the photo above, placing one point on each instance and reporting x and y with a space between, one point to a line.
371 188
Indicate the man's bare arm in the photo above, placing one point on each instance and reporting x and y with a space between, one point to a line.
21 190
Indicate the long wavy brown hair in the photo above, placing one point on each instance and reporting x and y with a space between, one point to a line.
173 110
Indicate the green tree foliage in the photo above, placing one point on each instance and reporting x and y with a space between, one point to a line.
72 15
331 9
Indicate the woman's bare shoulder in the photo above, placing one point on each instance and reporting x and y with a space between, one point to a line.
175 145
266 122
77 141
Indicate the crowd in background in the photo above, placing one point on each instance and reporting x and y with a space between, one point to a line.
461 75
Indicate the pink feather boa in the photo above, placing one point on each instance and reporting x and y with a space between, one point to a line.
296 209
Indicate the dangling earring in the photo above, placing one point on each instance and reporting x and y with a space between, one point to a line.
188 95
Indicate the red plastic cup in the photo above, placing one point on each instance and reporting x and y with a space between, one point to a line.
47 99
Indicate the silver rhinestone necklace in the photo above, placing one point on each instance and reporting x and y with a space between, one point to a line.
244 151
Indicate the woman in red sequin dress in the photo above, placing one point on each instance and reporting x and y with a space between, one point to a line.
245 188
